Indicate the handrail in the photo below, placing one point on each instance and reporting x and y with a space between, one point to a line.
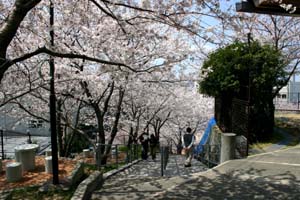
130 153
164 152
210 155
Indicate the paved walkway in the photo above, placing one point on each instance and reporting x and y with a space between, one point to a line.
273 175
144 179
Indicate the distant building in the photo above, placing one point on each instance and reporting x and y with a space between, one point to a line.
21 125
290 93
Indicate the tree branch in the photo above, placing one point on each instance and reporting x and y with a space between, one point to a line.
45 50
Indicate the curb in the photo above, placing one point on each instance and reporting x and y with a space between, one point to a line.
282 149
95 181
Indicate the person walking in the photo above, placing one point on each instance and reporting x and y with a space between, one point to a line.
153 144
144 140
188 146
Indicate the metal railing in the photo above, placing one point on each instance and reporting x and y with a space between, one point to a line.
119 154
164 153
11 139
209 155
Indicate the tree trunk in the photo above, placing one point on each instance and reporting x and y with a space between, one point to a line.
61 147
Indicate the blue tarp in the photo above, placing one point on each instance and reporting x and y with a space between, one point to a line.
205 136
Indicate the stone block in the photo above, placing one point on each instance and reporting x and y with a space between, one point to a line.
86 153
13 172
48 165
48 153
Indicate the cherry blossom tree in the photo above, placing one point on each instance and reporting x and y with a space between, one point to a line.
103 49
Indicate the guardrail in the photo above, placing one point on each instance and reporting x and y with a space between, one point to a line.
210 155
164 153
11 139
120 154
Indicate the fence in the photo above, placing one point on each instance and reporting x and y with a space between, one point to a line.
287 101
209 155
11 139
241 125
120 154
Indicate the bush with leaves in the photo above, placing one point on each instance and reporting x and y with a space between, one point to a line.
228 72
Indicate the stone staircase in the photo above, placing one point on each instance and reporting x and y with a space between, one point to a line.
144 180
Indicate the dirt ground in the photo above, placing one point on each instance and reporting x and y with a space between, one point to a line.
38 175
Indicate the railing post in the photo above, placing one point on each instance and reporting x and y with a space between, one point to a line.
127 154
117 153
298 100
166 158
208 156
137 151
2 144
130 153
134 152
162 161
98 156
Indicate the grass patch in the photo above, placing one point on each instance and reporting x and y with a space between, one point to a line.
287 122
33 193
287 115
90 168
276 137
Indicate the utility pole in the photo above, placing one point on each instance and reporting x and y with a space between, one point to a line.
53 103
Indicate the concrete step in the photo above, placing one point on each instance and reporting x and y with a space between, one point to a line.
138 190
117 182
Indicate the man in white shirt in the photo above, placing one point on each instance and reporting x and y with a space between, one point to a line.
188 141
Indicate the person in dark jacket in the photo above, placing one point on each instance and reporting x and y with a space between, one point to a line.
144 140
153 146
188 143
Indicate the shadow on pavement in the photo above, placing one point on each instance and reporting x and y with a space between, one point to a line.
239 184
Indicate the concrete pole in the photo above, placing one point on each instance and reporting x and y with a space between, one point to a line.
227 146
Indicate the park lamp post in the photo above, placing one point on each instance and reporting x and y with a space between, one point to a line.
53 103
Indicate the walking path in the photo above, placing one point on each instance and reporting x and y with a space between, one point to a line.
144 179
287 139
273 175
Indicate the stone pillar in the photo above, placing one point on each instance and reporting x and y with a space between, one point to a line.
86 153
48 153
48 165
227 146
13 172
